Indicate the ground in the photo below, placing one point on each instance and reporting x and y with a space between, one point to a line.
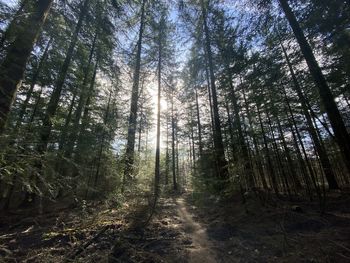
190 227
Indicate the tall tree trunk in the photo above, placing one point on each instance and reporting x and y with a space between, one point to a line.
278 155
230 131
56 94
335 118
271 171
36 105
130 145
255 143
167 157
199 125
293 173
177 151
210 99
192 144
141 118
82 100
63 137
33 82
173 141
190 151
221 162
157 161
13 66
326 165
85 118
104 134
303 167
307 161
247 165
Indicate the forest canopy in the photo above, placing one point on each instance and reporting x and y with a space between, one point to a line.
248 92
103 98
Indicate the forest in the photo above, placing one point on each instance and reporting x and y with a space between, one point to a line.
174 131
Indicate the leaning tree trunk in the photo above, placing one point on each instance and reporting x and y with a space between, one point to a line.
335 118
300 140
13 66
326 165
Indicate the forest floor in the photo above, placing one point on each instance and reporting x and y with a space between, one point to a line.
190 228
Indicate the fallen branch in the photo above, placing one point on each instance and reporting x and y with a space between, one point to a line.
85 245
146 238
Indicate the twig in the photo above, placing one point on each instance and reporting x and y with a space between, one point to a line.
340 254
340 245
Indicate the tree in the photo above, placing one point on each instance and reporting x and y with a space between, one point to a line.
55 96
341 134
13 66
132 123
222 170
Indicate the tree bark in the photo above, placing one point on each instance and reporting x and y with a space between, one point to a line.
157 159
130 145
173 141
222 172
13 66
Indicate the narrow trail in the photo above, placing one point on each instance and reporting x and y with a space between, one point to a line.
182 231
201 245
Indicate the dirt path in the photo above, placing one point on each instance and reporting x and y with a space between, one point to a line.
201 245
184 229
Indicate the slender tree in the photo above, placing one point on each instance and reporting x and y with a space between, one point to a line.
56 94
336 120
222 170
132 123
